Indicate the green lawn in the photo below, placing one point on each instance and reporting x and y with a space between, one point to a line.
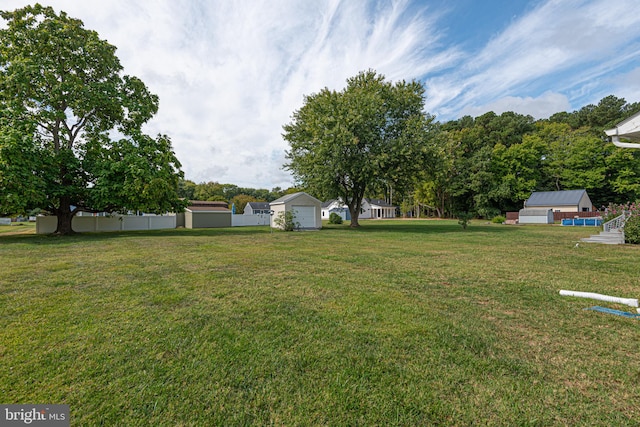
397 323
18 228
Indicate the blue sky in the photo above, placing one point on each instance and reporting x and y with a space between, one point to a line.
229 74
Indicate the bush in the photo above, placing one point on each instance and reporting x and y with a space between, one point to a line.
499 219
632 230
286 221
614 211
334 218
632 224
464 218
487 212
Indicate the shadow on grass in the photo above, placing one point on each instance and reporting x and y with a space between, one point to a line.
368 226
51 239
421 227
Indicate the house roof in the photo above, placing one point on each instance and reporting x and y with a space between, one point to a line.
555 198
379 202
629 128
258 205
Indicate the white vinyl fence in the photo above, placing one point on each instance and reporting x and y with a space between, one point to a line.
249 220
47 224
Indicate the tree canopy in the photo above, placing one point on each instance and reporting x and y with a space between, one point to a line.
492 163
373 133
70 124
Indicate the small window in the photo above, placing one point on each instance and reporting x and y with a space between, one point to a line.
585 209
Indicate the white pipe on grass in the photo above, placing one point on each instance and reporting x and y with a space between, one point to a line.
626 301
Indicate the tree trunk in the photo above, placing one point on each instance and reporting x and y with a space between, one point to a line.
65 216
355 213
354 203
354 209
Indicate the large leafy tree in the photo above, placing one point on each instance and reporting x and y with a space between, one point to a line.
70 124
343 143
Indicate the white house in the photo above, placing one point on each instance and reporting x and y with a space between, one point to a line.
377 209
335 206
307 210
257 208
370 209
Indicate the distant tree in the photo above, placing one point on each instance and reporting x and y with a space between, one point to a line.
609 111
70 124
187 189
240 201
478 168
275 193
623 176
341 143
209 191
519 169
606 114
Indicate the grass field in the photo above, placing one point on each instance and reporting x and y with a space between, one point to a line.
397 323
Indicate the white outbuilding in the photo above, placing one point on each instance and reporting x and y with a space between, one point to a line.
535 216
307 210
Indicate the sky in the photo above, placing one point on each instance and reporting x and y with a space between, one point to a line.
230 73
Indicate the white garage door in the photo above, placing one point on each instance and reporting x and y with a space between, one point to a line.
305 216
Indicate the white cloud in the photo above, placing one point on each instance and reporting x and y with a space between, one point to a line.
560 46
229 74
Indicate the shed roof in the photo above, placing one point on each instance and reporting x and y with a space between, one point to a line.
207 206
288 197
555 198
206 209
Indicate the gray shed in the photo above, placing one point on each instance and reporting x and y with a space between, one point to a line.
203 214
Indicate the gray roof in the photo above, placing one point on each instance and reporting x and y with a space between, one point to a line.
258 205
379 202
555 198
288 197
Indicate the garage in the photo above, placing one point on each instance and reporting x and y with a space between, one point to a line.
307 210
305 216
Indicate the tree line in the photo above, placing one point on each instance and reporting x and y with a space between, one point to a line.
491 164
